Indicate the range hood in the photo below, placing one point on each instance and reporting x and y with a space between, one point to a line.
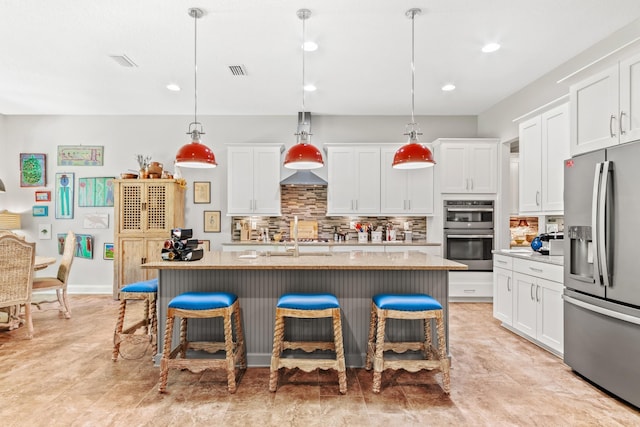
304 177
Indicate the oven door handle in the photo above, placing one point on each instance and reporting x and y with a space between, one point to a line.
469 209
469 236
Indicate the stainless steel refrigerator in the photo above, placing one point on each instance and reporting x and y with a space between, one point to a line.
602 268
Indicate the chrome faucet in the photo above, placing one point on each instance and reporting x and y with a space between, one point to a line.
295 249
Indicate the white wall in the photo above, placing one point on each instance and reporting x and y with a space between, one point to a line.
160 137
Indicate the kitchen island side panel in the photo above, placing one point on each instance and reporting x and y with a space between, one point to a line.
259 290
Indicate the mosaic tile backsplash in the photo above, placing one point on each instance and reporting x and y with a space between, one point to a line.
310 204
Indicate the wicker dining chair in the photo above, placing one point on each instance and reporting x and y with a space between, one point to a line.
59 283
16 276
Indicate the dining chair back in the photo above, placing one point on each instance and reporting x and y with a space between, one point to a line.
16 277
59 283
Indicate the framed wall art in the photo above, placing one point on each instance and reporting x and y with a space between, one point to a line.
33 170
201 192
107 251
40 211
44 231
84 245
95 191
43 196
205 245
80 155
64 195
95 220
211 221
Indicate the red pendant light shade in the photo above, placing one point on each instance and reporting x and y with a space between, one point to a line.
303 156
195 155
413 156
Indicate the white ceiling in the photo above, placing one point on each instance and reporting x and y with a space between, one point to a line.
54 55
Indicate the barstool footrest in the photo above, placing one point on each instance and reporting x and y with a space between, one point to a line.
308 346
412 365
309 365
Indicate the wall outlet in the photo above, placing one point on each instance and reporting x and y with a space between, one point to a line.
552 228
352 225
238 225
254 225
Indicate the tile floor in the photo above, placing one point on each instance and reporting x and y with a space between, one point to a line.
65 377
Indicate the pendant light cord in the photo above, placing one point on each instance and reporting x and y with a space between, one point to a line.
413 66
195 65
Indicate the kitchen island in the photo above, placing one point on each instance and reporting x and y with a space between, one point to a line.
259 278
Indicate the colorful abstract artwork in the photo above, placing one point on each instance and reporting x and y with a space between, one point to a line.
84 245
107 253
33 171
95 191
80 155
64 195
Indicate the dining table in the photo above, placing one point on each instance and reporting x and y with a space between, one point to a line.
13 312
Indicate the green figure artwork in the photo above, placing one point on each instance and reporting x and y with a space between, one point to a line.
64 193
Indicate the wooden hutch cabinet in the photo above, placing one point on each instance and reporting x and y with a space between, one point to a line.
145 212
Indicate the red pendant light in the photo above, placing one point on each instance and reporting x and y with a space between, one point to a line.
413 155
303 155
195 154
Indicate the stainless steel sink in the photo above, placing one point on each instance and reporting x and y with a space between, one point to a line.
305 254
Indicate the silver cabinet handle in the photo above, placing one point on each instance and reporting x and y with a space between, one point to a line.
611 119
499 261
469 236
622 131
531 292
471 184
508 284
537 198
537 270
538 293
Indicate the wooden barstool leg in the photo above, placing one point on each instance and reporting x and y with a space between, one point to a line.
372 335
153 319
228 344
337 337
118 331
240 345
378 362
428 344
146 316
166 352
442 347
183 337
278 336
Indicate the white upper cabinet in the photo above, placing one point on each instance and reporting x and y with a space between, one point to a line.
544 146
354 180
605 108
467 165
404 192
253 181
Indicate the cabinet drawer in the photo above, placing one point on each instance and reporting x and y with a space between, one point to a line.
539 269
502 261
471 290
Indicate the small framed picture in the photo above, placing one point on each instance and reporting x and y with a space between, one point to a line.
211 221
201 192
33 170
205 245
107 252
44 231
40 211
43 196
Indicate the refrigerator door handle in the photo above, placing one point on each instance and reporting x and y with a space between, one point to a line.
602 223
594 224
601 310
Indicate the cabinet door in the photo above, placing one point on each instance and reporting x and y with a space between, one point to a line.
153 253
367 200
266 181
454 173
525 307
130 197
630 99
530 165
503 295
341 177
157 208
420 191
482 164
240 179
555 150
594 112
550 314
131 252
393 185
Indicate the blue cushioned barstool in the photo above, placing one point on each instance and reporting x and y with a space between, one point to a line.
308 306
199 305
406 306
146 291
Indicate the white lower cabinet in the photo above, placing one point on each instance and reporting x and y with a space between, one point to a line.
536 308
470 286
503 289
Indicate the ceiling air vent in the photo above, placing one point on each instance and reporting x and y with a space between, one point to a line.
123 60
238 70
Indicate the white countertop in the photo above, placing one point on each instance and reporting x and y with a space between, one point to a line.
531 255
333 243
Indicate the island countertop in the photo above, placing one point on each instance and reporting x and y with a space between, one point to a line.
355 260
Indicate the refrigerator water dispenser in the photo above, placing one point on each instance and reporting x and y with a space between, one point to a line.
581 252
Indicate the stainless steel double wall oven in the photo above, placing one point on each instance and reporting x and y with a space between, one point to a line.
468 233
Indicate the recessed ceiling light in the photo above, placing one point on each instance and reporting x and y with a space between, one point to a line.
448 87
173 87
310 88
310 46
490 47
